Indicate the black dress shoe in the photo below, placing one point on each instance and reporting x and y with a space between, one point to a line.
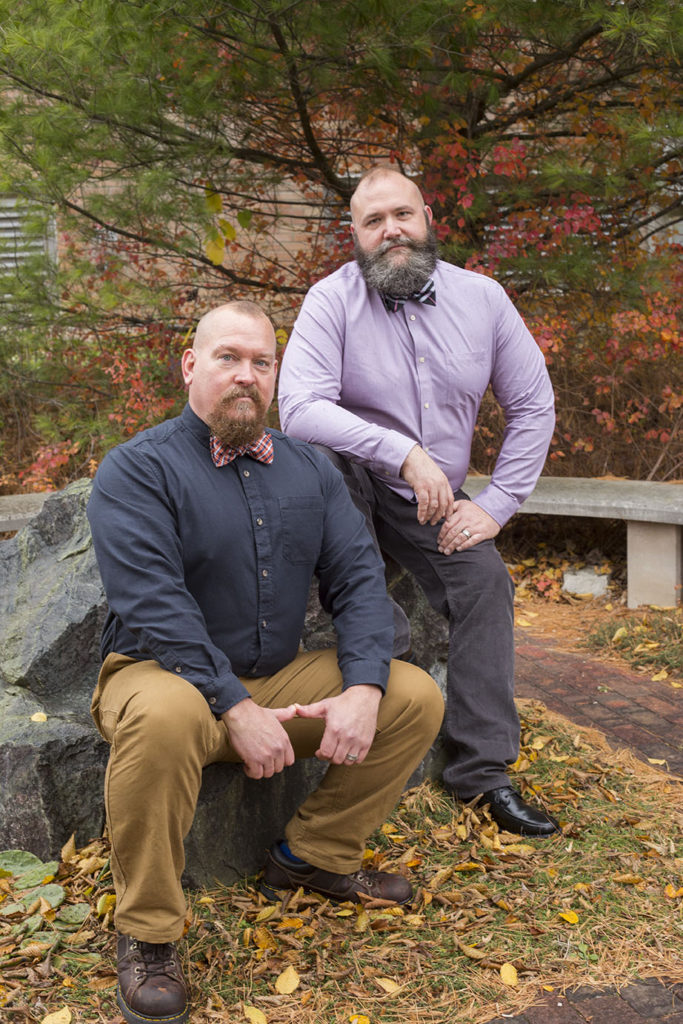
515 815
151 987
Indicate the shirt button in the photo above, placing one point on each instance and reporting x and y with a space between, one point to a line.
178 668
264 623
259 521
245 472
426 405
412 316
422 359
212 700
264 572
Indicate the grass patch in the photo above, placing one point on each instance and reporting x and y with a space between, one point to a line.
598 905
651 641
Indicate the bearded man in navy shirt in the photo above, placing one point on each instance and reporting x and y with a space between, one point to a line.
208 530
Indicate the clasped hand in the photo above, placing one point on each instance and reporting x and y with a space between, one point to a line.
258 736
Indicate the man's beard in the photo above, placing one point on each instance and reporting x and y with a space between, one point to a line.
404 277
232 428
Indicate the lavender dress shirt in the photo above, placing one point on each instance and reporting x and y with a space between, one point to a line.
370 384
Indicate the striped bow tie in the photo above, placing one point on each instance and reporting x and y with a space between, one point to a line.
426 294
261 450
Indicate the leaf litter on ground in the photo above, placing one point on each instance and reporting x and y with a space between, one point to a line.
497 920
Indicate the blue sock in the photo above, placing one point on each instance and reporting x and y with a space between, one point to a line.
287 853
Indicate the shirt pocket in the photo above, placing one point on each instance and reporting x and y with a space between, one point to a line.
302 528
468 376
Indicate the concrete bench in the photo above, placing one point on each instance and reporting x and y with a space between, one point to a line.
653 513
16 510
654 522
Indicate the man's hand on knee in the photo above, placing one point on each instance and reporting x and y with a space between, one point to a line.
256 734
433 492
466 526
350 723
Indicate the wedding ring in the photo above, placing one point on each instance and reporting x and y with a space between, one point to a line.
351 757
466 533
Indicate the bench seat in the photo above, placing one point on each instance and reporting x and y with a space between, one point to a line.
653 513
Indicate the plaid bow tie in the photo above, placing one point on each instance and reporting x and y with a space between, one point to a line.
261 450
426 294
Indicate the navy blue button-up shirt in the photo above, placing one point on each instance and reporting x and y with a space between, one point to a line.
207 570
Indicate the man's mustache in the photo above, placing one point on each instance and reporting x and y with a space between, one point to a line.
247 391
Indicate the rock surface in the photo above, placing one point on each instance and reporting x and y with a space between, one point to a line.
52 766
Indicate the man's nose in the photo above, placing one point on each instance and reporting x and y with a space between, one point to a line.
392 228
244 372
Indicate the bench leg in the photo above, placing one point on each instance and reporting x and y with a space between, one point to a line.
655 563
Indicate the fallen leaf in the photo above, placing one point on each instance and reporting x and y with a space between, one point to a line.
656 760
254 1015
105 903
388 985
660 675
508 975
471 951
288 981
62 1016
359 1018
621 632
627 879
570 916
673 893
39 716
69 849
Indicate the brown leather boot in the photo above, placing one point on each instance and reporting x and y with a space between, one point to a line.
280 873
151 984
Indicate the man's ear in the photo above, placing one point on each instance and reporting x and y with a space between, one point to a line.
187 365
428 214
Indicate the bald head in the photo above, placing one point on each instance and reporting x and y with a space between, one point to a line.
381 180
218 320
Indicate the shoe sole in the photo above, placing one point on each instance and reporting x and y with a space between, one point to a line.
132 1017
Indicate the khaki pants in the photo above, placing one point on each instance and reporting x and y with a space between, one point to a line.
162 734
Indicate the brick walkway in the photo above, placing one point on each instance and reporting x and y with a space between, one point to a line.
633 712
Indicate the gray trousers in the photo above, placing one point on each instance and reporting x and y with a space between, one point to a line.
474 592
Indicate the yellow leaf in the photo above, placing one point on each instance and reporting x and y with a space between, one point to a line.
39 716
253 1015
291 922
288 981
359 1018
548 988
469 866
471 951
569 916
215 250
388 985
656 760
265 913
660 675
677 686
521 849
62 1016
621 632
508 975
105 903
214 203
363 922
539 742
522 622
206 899
227 229
627 879
69 849
673 893
263 939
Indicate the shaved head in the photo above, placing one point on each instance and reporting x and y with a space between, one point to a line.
216 319
384 175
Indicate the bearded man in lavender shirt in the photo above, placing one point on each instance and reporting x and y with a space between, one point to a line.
386 368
